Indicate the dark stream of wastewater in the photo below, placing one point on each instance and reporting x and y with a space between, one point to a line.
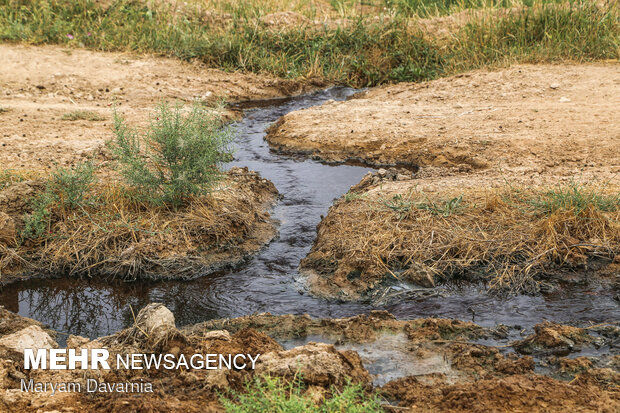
270 281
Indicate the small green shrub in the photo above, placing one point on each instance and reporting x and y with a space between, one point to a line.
443 208
37 223
65 190
178 157
83 115
69 186
271 394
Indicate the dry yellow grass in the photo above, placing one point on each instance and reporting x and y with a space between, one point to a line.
115 235
508 237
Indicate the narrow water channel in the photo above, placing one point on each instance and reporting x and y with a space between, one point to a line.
270 282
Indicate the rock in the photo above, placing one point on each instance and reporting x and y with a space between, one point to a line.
317 364
155 320
564 99
554 86
381 172
76 341
420 274
7 229
33 337
218 335
553 338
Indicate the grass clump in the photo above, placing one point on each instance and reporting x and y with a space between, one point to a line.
272 394
552 32
177 158
83 115
510 237
574 197
443 207
102 229
65 190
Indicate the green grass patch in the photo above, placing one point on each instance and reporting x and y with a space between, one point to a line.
574 197
427 8
547 34
402 205
363 52
83 115
269 394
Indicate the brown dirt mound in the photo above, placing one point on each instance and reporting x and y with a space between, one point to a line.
518 393
480 378
527 119
124 238
552 336
505 236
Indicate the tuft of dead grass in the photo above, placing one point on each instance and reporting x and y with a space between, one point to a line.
508 237
83 115
113 234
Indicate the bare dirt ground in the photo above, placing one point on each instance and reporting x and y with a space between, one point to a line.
524 121
432 364
38 85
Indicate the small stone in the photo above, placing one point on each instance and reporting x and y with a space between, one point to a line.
30 337
381 172
420 274
564 100
218 335
155 317
76 341
554 86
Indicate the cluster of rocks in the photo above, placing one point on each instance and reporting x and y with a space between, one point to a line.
383 175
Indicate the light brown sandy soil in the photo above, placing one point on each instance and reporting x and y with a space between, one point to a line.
38 85
473 377
520 122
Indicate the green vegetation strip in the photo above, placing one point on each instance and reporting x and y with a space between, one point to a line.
272 394
363 52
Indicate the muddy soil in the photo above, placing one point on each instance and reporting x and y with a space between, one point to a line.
426 364
520 122
39 85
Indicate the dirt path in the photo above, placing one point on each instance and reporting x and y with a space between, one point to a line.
528 120
39 85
